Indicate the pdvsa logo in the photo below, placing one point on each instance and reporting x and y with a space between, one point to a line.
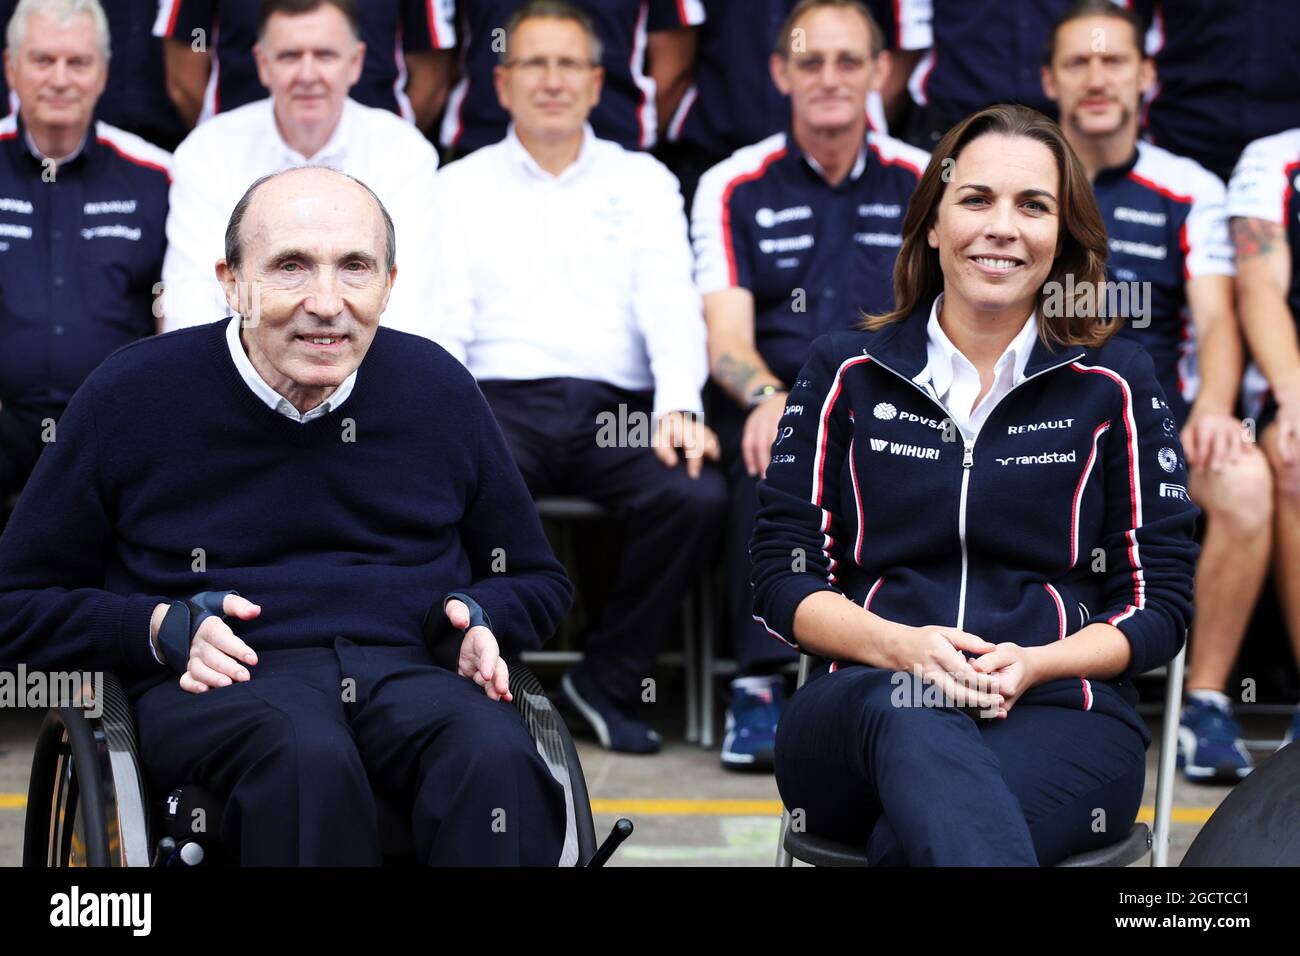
885 411
767 218
1168 458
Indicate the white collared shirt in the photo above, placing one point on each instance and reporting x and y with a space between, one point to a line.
273 399
217 163
954 382
582 275
859 164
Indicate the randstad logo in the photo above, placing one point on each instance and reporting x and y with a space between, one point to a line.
885 411
1046 458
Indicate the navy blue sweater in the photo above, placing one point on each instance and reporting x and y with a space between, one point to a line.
1078 467
165 450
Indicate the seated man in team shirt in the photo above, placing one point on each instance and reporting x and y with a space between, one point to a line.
309 56
1170 248
1263 207
795 237
82 210
564 285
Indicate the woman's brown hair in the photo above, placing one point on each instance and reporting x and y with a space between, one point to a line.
1069 311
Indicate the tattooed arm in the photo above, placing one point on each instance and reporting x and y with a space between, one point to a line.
733 360
1263 275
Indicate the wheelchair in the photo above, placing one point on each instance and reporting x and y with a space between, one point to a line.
88 803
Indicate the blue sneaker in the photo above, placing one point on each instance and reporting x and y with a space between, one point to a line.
1292 732
1210 749
756 705
615 726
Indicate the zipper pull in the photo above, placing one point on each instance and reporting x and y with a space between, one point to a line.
969 458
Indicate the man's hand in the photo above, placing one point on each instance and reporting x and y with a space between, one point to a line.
1012 668
215 652
480 657
1213 440
685 430
760 433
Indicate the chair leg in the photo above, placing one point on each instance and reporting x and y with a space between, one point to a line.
1167 766
707 649
783 857
691 662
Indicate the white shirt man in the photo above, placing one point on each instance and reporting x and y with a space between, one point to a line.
582 275
308 61
564 284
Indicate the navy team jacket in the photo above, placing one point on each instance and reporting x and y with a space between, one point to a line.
1079 466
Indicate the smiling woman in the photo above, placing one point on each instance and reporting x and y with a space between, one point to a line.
1009 237
975 711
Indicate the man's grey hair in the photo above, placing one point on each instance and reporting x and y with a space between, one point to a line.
61 11
234 228
553 10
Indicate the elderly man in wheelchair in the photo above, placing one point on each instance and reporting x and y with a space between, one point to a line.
297 539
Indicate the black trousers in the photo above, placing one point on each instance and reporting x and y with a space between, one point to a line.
20 445
671 520
930 785
298 751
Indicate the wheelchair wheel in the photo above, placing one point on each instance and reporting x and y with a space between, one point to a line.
85 800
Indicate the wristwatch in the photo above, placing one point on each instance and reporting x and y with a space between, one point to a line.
761 394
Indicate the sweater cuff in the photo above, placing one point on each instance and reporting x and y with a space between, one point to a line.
1150 646
785 600
677 398
135 649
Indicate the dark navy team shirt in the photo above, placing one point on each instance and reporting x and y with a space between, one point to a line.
626 111
986 52
135 98
1167 223
1228 74
79 258
388 28
733 102
814 257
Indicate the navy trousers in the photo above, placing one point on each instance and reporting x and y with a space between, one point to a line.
671 520
755 649
932 786
298 751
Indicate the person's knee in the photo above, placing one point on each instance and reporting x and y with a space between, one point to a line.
1239 500
1286 477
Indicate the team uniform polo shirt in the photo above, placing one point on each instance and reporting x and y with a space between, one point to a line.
986 52
1227 74
79 258
1264 186
814 257
733 101
388 27
626 111
135 98
1167 223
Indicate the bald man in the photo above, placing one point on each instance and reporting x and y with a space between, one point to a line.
343 479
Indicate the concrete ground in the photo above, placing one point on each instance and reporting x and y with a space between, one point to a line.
686 809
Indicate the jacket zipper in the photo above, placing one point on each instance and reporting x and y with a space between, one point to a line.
967 462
